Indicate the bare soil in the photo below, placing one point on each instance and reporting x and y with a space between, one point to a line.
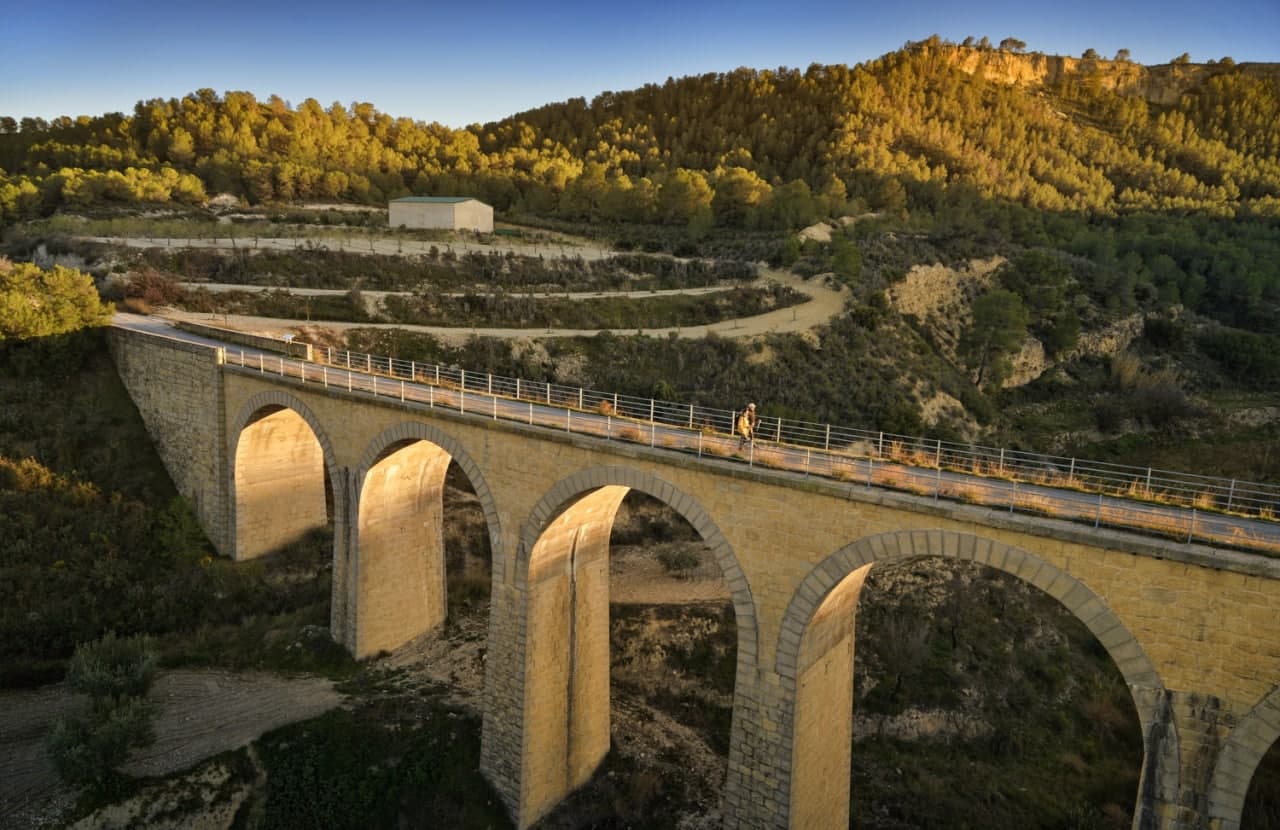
202 714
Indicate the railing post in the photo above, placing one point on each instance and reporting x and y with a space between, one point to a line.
437 374
368 363
807 451
281 365
548 393
937 458
413 371
1000 471
1148 481
1097 517
328 354
579 395
615 402
1071 475
751 453
462 382
262 369
348 379
530 413
568 415
826 445
699 443
937 485
651 410
375 384
778 435
431 397
495 407
1014 497
517 388
690 416
879 444
490 376
462 400
608 427
653 433
1231 494
324 375
402 391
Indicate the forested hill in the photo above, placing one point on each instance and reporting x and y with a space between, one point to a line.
930 122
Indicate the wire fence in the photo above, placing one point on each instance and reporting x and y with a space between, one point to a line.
1174 504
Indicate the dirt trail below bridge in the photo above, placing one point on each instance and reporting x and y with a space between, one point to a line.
201 714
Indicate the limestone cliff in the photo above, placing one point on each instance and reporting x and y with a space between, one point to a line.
1160 84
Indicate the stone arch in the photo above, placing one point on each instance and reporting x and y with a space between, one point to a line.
561 580
815 667
280 461
390 586
1249 741
563 493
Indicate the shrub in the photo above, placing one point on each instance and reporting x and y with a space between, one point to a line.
116 673
112 669
678 560
86 752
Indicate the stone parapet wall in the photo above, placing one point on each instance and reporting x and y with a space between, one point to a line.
244 338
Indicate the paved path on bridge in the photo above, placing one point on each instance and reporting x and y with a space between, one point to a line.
1182 525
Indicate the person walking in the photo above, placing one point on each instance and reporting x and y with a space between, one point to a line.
747 426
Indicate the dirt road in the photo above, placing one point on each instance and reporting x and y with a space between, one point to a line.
202 713
824 303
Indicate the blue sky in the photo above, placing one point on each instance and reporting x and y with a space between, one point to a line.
460 63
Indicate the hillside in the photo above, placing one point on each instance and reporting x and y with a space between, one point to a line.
750 147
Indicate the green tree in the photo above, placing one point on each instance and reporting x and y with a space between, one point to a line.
846 259
738 193
998 328
40 303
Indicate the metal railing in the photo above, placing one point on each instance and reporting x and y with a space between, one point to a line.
1179 505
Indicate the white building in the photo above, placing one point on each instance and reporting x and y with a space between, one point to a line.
455 213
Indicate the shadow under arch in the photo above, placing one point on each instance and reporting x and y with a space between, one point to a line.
1238 761
562 659
280 463
815 656
389 580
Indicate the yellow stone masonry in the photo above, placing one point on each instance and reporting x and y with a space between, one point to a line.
1181 631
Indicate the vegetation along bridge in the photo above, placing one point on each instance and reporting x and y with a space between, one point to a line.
1178 577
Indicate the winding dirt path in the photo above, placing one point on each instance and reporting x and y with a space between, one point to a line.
824 303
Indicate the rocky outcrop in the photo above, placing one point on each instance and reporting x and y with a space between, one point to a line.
1159 84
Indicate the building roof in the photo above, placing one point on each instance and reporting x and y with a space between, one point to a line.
438 200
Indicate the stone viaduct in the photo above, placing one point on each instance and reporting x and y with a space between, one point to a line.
1194 631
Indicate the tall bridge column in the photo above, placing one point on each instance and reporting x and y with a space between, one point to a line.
563 666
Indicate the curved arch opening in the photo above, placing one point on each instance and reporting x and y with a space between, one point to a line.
632 661
282 490
423 546
1262 802
973 693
